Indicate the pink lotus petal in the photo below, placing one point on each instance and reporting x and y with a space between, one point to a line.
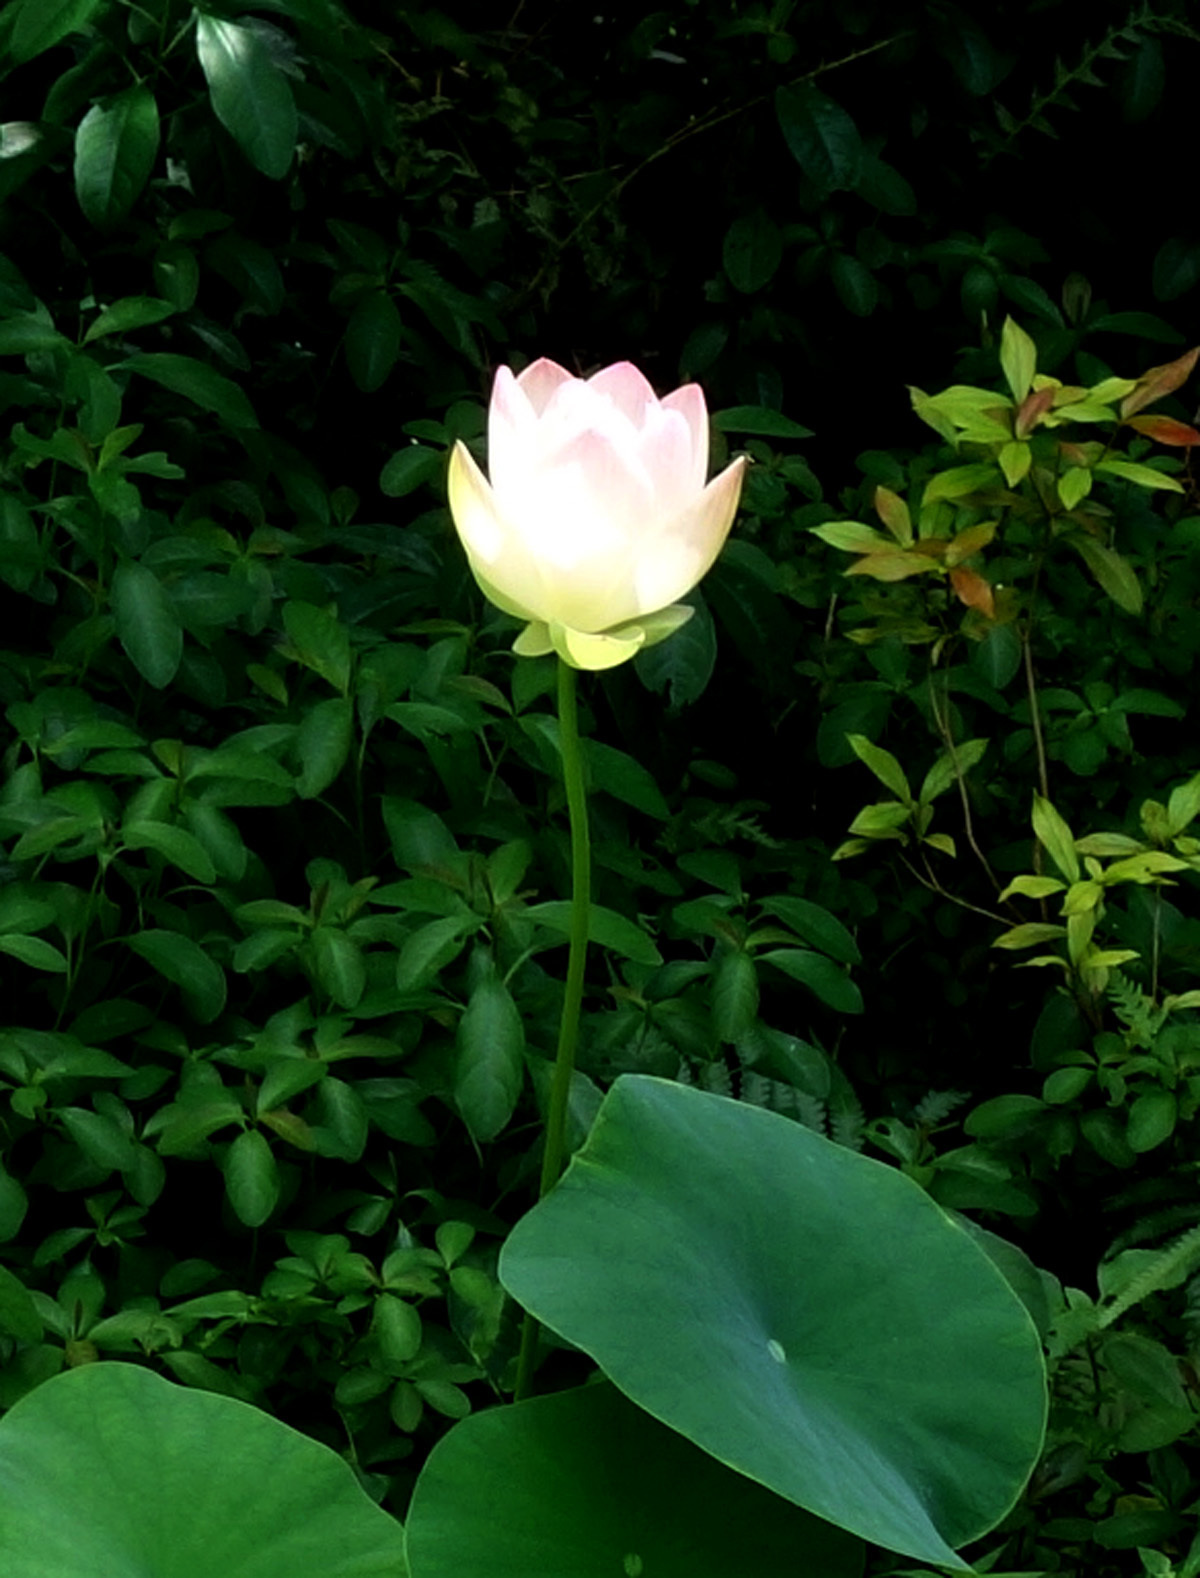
627 388
689 402
539 381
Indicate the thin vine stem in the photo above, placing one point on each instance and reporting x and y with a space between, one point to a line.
568 1028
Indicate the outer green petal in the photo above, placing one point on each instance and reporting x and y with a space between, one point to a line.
534 640
656 627
582 650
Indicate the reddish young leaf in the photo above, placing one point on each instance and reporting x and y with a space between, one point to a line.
973 590
1034 405
1159 381
1166 430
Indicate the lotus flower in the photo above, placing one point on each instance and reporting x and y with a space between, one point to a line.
597 518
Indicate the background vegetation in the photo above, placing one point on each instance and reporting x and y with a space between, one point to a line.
280 916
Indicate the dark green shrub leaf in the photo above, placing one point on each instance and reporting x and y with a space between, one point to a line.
734 995
184 962
35 952
684 663
605 927
823 139
115 149
101 1139
373 340
147 624
131 312
409 469
251 1178
854 283
340 968
627 1259
18 1313
824 979
397 1329
40 24
198 382
250 95
490 1059
323 745
1176 268
620 775
759 421
752 252
584 1485
816 925
173 844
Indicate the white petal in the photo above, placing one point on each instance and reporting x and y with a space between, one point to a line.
539 381
685 553
627 388
689 402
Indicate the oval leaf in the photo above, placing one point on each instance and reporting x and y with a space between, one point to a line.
147 625
725 1312
156 1472
250 96
584 1485
115 148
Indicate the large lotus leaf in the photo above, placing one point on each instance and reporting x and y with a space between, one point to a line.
806 1315
109 1471
584 1485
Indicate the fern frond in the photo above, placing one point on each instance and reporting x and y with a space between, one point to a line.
1165 1269
937 1106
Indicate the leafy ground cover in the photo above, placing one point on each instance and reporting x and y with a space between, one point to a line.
284 862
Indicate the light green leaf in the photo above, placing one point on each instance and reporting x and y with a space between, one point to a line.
1032 887
1143 476
1055 837
943 774
883 764
853 537
732 1327
1018 358
959 481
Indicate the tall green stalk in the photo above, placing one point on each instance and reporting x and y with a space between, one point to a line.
568 1027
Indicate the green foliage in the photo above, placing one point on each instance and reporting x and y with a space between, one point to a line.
283 855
